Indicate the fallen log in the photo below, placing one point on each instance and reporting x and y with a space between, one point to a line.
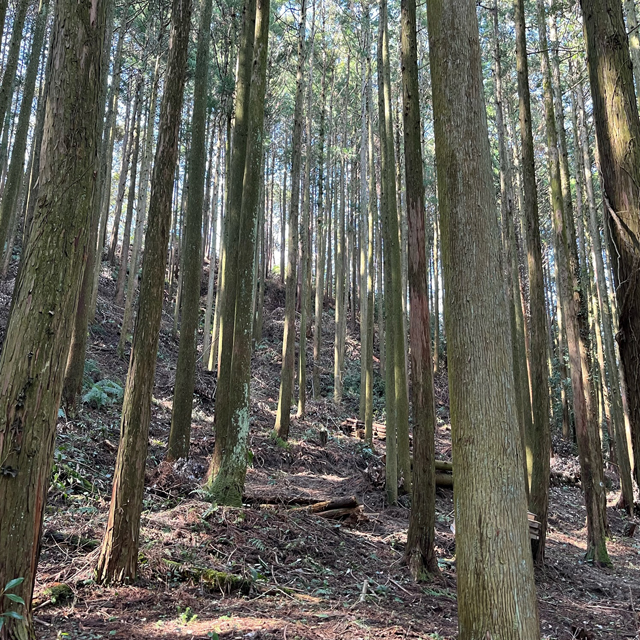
442 465
336 503
355 513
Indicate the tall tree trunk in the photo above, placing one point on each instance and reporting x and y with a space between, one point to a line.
619 158
283 416
225 481
397 441
511 268
180 434
614 396
321 229
106 161
16 165
305 256
419 551
141 212
364 216
74 372
37 343
539 439
13 57
126 237
372 223
119 551
587 435
496 590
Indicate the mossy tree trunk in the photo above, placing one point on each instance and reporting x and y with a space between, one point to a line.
225 482
46 295
419 551
119 551
180 434
496 589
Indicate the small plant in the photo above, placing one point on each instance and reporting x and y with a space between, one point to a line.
4 593
102 393
279 442
187 615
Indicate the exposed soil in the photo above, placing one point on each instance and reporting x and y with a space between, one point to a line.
303 577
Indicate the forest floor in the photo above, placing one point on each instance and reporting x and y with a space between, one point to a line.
302 576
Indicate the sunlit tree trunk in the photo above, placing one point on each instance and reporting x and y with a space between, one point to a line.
588 438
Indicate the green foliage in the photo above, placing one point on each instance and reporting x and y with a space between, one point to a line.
187 615
12 597
103 393
65 478
279 442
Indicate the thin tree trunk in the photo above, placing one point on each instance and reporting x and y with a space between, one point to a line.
126 238
16 166
119 552
141 213
305 258
539 442
106 161
283 416
397 441
180 434
13 58
419 551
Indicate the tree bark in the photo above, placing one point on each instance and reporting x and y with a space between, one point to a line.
119 551
180 434
619 158
46 294
587 435
225 481
496 590
283 417
419 551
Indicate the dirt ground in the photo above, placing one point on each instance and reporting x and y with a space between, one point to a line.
300 577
